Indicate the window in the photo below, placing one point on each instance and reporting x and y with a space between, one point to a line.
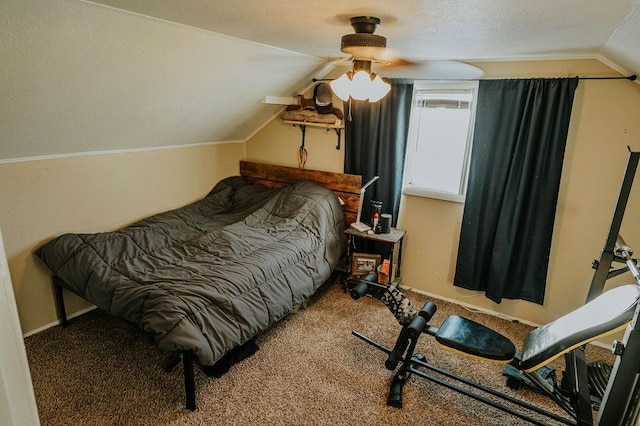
439 141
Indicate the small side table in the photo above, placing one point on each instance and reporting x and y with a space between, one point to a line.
392 239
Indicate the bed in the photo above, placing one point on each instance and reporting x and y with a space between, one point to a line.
206 278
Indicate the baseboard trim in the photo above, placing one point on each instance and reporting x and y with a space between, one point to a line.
57 322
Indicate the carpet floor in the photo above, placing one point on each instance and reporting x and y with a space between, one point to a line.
310 370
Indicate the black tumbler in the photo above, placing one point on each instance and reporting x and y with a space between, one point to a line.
385 223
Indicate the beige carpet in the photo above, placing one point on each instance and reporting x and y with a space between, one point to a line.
309 370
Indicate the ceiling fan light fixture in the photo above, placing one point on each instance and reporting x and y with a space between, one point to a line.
341 86
364 47
360 85
379 89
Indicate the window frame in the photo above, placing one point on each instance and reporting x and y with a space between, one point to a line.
412 141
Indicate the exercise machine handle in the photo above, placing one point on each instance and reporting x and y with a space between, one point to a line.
419 323
622 249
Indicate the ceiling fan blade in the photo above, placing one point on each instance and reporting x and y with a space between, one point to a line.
437 69
340 61
394 62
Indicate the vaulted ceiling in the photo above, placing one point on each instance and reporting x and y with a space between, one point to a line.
111 75
423 29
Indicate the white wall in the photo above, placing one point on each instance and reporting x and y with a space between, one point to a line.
17 401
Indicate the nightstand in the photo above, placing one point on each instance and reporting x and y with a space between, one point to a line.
390 241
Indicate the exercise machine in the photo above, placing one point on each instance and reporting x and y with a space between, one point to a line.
616 251
604 313
610 312
603 270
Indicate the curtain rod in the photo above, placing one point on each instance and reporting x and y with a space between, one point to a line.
631 77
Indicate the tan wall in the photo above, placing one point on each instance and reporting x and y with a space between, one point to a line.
45 198
278 143
604 121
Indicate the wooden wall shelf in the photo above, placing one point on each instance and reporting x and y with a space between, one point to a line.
303 127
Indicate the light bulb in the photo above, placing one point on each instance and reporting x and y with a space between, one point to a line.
360 86
378 89
342 86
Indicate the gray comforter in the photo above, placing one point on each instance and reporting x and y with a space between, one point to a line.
209 276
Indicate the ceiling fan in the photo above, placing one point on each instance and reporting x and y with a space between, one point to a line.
367 48
364 45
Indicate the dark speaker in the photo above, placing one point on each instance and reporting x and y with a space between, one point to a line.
385 223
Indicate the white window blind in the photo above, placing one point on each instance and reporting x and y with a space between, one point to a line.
440 135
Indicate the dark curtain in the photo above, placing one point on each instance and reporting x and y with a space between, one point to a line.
375 142
514 177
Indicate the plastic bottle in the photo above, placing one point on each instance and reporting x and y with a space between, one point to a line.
376 223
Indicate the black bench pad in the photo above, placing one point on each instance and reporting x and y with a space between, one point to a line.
605 314
471 338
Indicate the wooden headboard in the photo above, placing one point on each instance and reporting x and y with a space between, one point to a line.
347 187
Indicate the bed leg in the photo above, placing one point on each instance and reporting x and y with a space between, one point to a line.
189 380
57 292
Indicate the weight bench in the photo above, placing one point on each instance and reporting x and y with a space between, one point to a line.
606 314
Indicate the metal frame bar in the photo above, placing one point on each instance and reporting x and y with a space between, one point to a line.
576 370
408 368
495 404
607 256
552 392
59 299
616 405
189 380
490 391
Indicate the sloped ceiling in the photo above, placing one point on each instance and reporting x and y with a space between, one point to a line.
422 29
109 75
79 77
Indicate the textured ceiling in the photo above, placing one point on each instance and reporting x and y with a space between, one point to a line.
108 75
424 29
